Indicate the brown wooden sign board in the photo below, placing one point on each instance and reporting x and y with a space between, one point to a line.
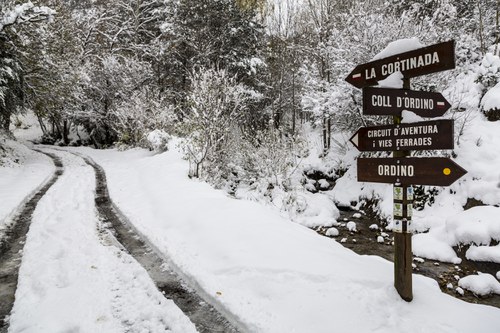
435 171
437 134
426 60
391 102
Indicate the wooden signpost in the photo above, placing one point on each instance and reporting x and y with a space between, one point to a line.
400 170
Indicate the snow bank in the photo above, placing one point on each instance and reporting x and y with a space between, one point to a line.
491 99
478 225
484 253
432 246
22 172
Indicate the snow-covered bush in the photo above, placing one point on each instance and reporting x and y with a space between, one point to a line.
158 140
214 104
272 157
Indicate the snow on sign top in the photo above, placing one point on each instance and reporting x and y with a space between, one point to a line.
399 46
430 59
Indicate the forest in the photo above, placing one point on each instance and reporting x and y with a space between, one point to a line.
242 82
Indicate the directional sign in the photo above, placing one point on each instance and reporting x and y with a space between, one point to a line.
431 59
437 134
390 102
438 171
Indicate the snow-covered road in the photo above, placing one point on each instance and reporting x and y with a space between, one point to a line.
73 279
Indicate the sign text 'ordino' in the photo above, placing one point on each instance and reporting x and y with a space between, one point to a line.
437 134
436 171
382 101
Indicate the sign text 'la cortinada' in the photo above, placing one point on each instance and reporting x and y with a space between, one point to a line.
431 59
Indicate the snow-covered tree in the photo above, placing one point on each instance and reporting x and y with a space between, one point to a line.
16 23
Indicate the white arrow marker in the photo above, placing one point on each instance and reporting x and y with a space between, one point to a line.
355 140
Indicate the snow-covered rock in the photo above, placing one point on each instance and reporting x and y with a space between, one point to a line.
332 232
482 284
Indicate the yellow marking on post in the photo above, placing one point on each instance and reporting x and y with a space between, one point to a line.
447 171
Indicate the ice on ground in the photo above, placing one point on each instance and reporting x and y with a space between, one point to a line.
482 284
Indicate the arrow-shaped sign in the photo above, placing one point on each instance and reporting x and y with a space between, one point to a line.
390 102
430 59
436 171
437 134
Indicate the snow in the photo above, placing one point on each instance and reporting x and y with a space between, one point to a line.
399 46
71 280
478 225
491 99
315 209
158 140
323 184
482 284
294 279
484 253
410 117
380 239
394 81
427 246
373 227
332 232
19 11
21 179
351 226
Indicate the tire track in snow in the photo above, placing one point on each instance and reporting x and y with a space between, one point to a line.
12 245
205 317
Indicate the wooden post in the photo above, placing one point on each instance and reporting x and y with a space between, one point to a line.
403 204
